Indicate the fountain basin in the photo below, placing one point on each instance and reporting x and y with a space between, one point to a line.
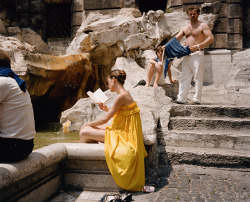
60 166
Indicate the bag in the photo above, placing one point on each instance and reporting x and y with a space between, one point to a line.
125 197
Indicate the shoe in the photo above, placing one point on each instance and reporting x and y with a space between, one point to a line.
178 102
141 82
196 103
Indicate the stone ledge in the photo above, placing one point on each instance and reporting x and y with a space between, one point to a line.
86 152
48 165
218 52
39 159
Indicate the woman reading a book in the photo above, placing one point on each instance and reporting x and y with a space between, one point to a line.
124 148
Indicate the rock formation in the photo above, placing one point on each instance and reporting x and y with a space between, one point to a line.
57 82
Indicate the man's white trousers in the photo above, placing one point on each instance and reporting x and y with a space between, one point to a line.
192 67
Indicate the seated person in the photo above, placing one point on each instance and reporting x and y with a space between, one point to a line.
156 67
124 147
17 125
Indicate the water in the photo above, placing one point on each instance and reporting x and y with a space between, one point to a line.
52 133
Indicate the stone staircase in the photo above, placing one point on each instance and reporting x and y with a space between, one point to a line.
207 135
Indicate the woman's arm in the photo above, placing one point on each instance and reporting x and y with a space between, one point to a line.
117 104
152 61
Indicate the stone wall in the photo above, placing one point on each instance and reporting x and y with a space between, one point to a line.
228 29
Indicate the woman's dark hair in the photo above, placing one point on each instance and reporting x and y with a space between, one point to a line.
159 48
120 75
190 8
4 58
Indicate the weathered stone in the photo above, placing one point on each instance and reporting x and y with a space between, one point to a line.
38 21
37 6
150 100
22 6
176 2
220 41
221 25
235 26
233 1
74 30
211 7
216 64
101 4
76 19
3 29
191 1
238 77
34 39
128 3
110 12
223 11
77 5
57 1
235 41
234 11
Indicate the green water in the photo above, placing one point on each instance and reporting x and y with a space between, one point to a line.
52 133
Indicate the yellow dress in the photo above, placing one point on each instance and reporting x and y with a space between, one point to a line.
124 148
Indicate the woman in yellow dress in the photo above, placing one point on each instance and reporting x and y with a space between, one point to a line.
124 148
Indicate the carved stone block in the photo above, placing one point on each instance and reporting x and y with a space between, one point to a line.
102 4
221 25
235 41
220 41
223 10
176 2
235 26
128 3
37 6
76 18
77 5
234 11
233 1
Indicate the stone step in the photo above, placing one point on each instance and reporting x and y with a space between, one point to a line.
86 169
204 156
210 111
211 139
220 124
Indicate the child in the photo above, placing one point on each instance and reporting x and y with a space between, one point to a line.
156 66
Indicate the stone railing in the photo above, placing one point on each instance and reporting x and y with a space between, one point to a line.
69 166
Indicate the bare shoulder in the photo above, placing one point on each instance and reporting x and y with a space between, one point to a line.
185 27
204 25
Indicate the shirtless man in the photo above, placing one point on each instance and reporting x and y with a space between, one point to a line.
198 36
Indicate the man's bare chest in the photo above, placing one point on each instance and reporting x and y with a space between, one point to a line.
194 32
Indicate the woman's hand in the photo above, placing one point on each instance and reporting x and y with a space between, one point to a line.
103 106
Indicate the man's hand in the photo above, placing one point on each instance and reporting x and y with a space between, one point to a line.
194 48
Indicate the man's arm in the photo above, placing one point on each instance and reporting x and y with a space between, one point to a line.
181 34
209 36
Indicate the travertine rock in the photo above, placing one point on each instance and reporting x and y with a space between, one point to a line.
153 102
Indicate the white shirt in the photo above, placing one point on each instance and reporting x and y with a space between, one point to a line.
16 112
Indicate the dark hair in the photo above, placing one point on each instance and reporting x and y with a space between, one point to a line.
190 8
4 58
120 75
159 48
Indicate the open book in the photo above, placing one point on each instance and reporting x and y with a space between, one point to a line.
98 96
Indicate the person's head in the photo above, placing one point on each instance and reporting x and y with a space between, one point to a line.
193 13
159 51
4 59
116 76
